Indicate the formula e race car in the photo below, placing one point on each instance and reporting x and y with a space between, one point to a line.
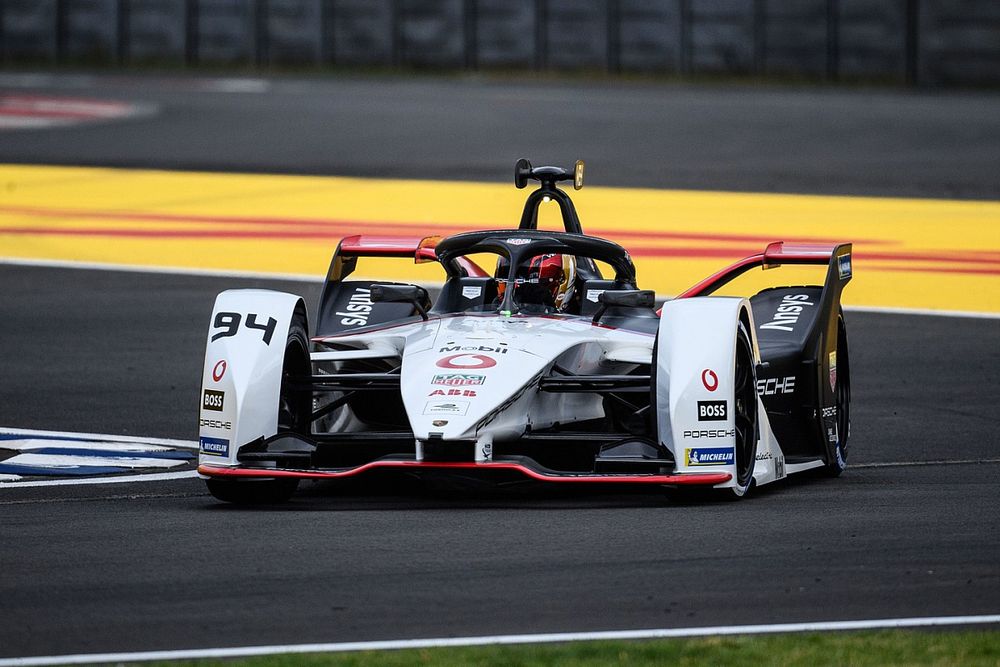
536 367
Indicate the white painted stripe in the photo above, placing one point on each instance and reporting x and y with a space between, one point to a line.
58 462
28 444
9 478
181 271
312 278
101 437
120 479
444 642
886 310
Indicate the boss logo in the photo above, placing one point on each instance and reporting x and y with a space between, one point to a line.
712 411
213 400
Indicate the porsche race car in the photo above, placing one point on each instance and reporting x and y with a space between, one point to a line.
544 362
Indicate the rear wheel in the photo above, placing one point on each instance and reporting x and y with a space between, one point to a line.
294 410
837 451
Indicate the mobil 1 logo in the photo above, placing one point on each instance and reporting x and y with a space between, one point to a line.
713 411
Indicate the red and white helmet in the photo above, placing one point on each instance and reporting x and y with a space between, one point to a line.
554 275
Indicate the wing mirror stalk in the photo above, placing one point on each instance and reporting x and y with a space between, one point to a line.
401 294
632 298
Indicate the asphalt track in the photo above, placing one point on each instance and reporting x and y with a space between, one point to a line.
910 530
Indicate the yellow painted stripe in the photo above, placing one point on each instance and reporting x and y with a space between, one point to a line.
909 253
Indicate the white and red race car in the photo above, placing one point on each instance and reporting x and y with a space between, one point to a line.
572 377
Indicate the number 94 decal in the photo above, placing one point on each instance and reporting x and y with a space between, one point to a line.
230 324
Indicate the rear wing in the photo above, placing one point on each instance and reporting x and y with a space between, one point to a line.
420 248
837 256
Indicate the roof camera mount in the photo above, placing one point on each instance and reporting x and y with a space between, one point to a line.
547 191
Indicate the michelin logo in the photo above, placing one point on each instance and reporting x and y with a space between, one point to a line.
214 446
710 456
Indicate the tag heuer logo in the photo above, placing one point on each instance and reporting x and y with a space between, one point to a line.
458 379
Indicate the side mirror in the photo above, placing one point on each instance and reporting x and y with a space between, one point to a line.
401 294
578 175
632 298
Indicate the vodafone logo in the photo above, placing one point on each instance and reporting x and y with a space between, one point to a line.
467 361
219 370
710 379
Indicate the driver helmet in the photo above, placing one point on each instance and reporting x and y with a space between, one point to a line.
552 276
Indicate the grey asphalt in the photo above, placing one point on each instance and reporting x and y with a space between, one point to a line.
163 566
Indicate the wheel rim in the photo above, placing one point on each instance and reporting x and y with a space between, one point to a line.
745 411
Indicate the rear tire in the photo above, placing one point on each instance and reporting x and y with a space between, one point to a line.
294 412
837 451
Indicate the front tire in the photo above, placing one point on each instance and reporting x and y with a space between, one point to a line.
744 414
294 416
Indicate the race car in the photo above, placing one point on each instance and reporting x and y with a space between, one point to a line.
531 364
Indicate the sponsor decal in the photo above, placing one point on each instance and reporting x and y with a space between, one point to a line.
833 371
439 422
711 433
219 370
517 241
466 360
779 467
213 446
710 379
500 348
216 423
844 266
213 400
764 456
831 433
468 393
788 312
594 295
442 408
772 386
487 450
358 308
830 412
471 292
713 411
710 456
458 379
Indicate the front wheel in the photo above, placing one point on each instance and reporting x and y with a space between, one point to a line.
744 414
294 415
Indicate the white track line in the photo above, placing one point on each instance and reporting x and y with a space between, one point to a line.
312 278
101 437
120 479
390 645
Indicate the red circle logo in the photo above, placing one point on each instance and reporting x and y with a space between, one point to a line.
710 379
467 361
219 370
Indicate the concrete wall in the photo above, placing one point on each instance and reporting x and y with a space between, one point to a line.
929 42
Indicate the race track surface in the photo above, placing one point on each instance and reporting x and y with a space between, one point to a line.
911 529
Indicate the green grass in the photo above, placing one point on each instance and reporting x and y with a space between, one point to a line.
890 647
